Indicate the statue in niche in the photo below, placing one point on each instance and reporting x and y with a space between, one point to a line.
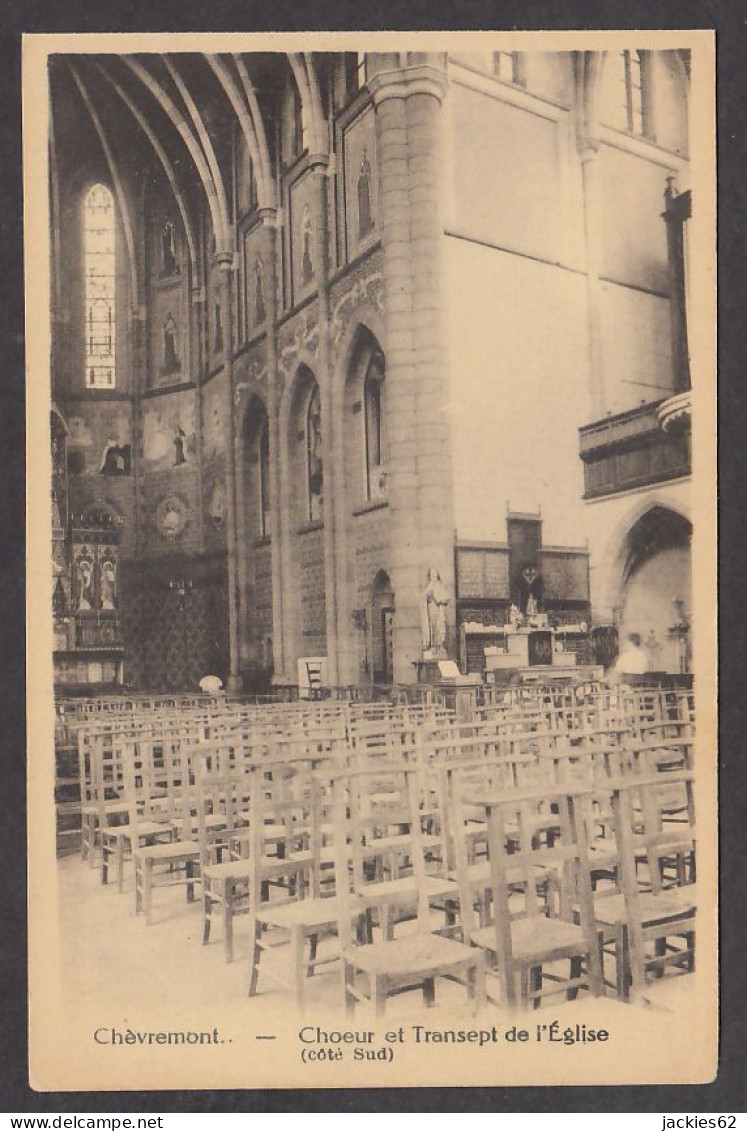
170 350
315 456
433 604
365 214
218 345
108 586
85 586
168 250
530 590
179 437
259 292
307 262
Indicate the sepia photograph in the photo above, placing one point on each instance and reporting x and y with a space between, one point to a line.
372 598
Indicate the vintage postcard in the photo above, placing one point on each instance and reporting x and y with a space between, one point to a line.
372 588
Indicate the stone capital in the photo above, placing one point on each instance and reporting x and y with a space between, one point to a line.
423 78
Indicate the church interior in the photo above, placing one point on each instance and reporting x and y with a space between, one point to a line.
370 441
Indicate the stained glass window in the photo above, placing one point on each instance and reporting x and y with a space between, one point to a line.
99 288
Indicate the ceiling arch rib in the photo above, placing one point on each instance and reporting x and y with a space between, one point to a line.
322 144
222 237
259 125
168 168
124 208
307 113
241 110
207 145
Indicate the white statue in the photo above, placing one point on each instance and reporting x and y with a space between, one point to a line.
434 600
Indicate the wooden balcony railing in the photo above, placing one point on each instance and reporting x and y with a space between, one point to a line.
632 450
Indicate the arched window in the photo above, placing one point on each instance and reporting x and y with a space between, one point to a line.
314 459
99 288
264 481
365 212
372 392
624 95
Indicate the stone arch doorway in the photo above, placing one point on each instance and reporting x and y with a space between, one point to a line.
656 588
382 616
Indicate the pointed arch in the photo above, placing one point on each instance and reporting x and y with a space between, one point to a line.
124 209
248 128
166 164
207 145
222 235
259 126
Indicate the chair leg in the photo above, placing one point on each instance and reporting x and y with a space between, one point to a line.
256 949
378 993
348 979
148 891
429 992
189 869
228 894
120 857
137 866
297 959
207 900
313 943
575 972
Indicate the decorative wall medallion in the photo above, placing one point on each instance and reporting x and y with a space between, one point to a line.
171 517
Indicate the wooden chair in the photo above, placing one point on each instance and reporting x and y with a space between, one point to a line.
392 964
634 917
158 792
526 936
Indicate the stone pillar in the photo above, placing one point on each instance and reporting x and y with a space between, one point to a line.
278 503
225 263
138 343
408 103
319 165
593 241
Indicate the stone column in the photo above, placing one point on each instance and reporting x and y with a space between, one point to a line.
408 102
319 165
593 241
225 263
278 504
138 346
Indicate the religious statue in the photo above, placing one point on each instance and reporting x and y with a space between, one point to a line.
170 351
514 616
168 252
85 586
307 263
179 438
532 609
434 600
108 586
259 293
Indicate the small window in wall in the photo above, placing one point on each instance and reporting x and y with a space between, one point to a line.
99 288
624 95
314 458
264 482
373 389
217 328
507 66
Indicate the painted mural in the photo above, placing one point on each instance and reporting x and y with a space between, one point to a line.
303 237
169 432
99 441
361 183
